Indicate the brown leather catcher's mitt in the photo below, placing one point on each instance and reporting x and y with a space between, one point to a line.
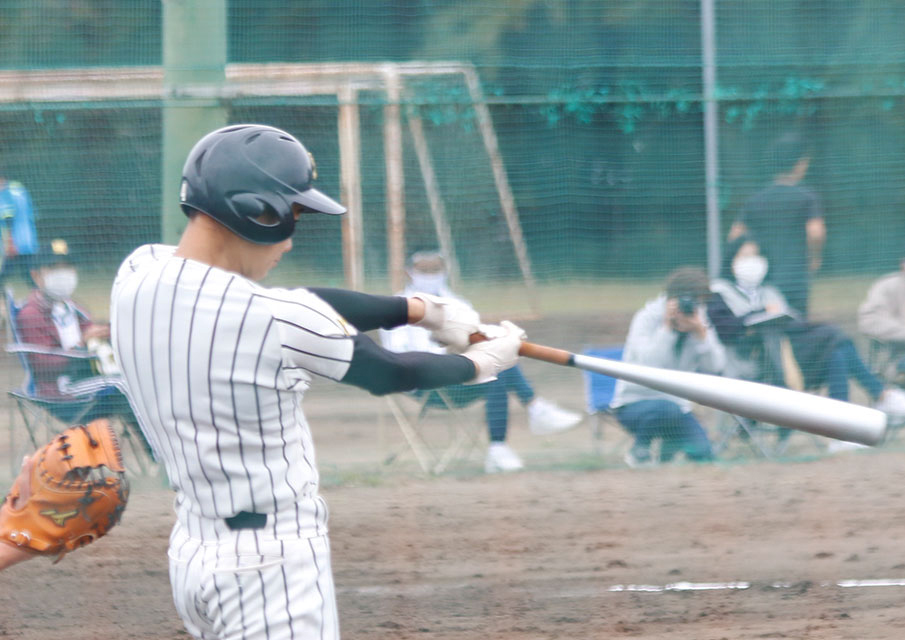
69 493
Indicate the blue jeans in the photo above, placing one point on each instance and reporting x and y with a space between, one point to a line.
664 419
496 395
844 363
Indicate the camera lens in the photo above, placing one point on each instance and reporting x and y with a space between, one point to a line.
687 305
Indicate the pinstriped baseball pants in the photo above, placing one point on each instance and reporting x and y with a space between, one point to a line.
246 584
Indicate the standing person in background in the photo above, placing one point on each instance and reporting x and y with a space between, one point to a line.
17 228
217 367
671 332
786 219
427 274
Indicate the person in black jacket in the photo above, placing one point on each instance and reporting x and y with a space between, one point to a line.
751 318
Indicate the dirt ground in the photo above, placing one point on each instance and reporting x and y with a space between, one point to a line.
575 546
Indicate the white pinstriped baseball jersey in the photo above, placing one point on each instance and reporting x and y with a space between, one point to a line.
216 366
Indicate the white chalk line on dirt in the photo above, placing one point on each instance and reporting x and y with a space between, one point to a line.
724 586
426 588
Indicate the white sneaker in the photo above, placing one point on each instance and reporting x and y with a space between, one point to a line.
639 457
545 418
500 457
892 402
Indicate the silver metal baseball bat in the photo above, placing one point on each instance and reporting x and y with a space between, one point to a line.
766 403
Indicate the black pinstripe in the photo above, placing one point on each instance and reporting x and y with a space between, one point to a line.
261 422
301 304
154 371
232 386
286 593
286 458
150 434
294 325
170 380
188 378
210 392
317 583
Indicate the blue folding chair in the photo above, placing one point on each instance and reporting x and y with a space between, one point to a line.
599 390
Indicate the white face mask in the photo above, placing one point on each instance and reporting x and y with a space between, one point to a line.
749 271
432 283
60 283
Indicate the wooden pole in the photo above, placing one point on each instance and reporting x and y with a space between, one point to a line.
507 200
350 187
435 202
395 188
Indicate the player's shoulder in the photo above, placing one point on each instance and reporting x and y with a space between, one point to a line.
139 261
145 255
301 307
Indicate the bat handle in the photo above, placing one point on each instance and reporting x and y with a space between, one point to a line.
537 351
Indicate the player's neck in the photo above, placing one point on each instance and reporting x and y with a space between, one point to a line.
209 242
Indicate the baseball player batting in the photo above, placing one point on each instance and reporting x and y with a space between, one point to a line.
217 366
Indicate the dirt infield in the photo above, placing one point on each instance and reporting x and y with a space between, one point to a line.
576 546
541 554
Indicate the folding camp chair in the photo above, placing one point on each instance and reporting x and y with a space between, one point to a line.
764 439
438 431
599 390
45 416
884 358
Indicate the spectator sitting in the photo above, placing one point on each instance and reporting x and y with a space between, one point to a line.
671 332
881 315
427 274
50 318
748 315
823 352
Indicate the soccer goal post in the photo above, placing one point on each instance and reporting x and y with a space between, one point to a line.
404 91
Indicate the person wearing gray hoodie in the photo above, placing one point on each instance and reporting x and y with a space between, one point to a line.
672 332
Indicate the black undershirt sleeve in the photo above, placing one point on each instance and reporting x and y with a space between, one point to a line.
381 371
365 311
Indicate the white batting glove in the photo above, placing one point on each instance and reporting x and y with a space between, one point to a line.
450 321
498 353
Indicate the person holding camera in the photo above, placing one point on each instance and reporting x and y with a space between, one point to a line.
672 332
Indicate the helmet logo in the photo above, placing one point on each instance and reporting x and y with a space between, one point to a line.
183 189
313 166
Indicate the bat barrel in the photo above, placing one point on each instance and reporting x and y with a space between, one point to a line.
765 403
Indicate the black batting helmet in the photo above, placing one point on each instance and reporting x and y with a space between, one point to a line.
247 177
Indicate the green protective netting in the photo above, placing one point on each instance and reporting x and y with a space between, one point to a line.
596 106
597 109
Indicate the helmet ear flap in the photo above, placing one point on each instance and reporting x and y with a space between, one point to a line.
257 210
